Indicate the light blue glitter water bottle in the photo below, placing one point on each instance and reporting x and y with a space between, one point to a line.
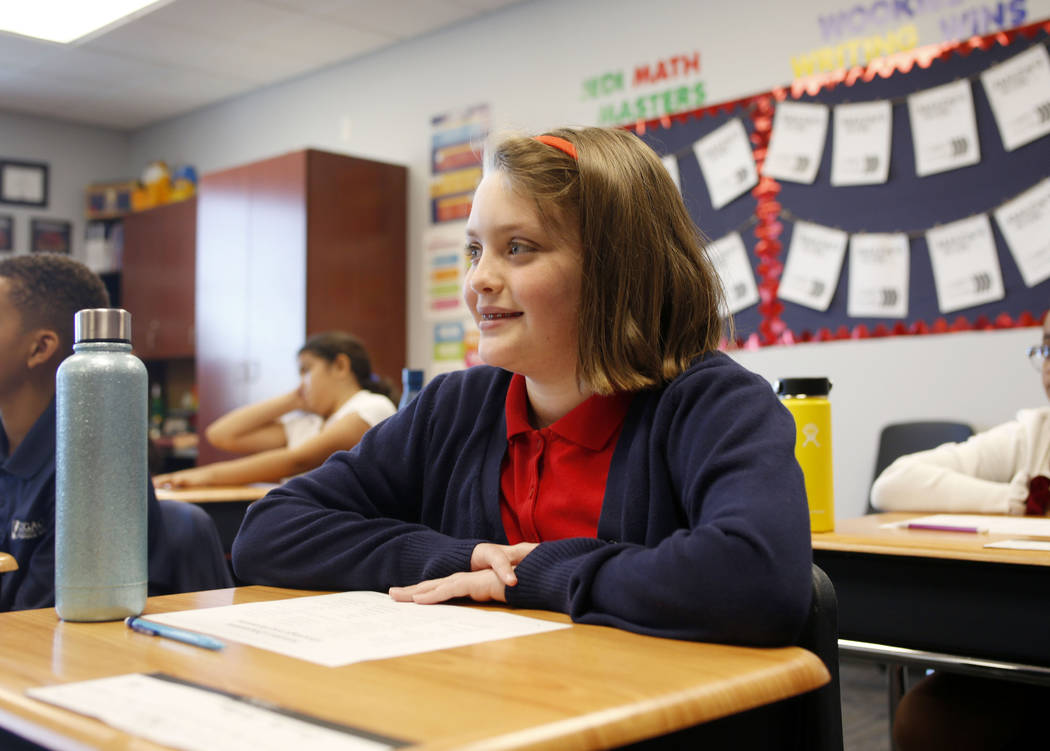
101 567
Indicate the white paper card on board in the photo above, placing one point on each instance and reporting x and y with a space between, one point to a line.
671 165
860 146
1025 223
814 262
726 162
943 128
965 265
797 142
730 259
1019 93
878 276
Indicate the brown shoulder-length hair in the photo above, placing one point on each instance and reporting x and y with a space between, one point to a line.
650 301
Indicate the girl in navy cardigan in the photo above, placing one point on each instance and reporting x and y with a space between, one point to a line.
607 461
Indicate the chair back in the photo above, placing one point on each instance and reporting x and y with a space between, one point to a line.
898 439
822 709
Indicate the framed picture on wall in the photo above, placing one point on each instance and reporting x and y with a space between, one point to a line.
23 183
50 236
7 233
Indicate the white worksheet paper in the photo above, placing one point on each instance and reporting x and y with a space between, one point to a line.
814 262
797 143
943 128
1025 223
346 627
996 525
878 275
670 162
727 163
729 256
860 145
1019 92
195 719
965 264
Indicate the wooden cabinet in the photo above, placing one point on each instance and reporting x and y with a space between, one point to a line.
157 279
286 248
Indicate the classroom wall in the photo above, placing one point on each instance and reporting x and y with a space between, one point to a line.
530 63
76 155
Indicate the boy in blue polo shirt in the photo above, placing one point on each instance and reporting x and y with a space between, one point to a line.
39 294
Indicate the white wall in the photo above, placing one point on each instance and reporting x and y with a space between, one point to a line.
76 155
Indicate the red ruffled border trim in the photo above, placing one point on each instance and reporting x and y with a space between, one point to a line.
772 329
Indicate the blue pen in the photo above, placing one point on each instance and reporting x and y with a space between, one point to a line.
143 626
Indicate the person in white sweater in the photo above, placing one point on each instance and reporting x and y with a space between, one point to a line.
1004 470
994 472
338 399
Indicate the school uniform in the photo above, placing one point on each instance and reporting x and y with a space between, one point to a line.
703 530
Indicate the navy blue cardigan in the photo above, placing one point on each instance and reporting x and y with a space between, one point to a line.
703 534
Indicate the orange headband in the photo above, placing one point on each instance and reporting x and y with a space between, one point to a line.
559 143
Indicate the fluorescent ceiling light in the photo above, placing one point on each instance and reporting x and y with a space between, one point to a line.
69 20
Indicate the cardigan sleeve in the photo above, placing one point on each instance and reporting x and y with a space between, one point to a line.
356 521
985 474
737 568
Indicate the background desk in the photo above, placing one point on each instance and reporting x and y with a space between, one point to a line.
225 504
938 591
587 687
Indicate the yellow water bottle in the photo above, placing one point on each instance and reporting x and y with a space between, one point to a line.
807 400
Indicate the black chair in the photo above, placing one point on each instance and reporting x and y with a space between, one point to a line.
898 439
822 709
811 722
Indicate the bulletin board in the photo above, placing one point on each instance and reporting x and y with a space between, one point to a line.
770 211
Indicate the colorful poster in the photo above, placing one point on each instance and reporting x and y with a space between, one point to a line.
878 276
1019 92
443 273
456 150
797 142
860 153
726 162
814 262
1025 223
943 128
965 265
729 257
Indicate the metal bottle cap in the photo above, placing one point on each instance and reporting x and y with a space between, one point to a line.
102 325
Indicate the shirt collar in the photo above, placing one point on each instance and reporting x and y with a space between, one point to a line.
590 424
36 449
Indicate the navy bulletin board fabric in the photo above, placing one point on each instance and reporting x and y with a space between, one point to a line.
905 203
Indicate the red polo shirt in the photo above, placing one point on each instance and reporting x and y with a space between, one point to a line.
552 481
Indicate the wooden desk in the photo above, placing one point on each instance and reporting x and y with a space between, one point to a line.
587 687
215 493
8 562
938 591
225 504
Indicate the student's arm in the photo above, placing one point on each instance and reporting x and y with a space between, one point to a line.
985 475
367 518
253 427
275 464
